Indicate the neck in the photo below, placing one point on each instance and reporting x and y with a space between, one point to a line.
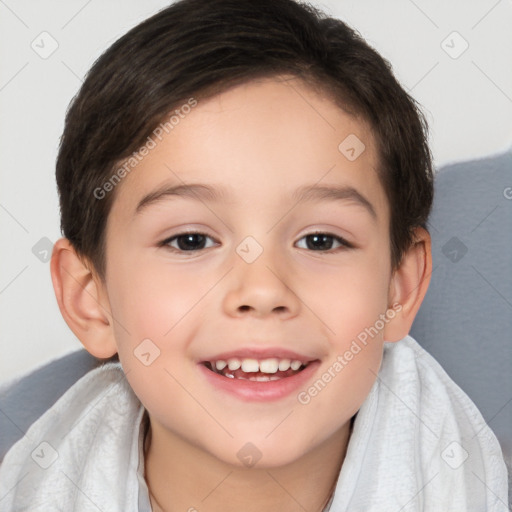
182 477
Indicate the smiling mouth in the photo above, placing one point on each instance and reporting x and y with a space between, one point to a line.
258 371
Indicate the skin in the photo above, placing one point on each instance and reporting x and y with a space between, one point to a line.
262 141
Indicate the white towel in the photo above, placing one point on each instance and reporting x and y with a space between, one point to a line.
418 444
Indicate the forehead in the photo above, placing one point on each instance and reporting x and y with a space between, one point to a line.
259 141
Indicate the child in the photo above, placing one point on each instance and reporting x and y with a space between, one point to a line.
244 193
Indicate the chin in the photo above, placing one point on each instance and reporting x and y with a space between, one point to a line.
261 455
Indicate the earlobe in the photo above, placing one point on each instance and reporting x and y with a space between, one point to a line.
81 300
409 285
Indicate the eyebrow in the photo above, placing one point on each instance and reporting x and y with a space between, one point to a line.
333 193
203 192
196 191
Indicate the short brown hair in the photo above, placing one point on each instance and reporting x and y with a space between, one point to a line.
201 48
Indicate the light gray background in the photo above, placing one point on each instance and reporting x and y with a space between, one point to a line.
468 102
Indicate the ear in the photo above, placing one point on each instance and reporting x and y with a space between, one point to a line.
409 285
82 300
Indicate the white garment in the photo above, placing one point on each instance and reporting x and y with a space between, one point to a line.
406 452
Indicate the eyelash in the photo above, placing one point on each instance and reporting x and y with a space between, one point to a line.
165 243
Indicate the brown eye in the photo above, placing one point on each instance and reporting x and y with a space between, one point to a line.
187 242
324 242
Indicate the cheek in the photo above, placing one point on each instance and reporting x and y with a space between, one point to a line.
355 354
348 298
152 299
351 302
154 311
153 328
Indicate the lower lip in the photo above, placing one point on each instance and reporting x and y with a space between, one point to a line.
260 391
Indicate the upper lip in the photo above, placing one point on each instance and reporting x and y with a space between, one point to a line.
260 354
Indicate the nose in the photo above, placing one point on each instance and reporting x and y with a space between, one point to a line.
260 289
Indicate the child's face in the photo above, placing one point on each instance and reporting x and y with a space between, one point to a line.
260 144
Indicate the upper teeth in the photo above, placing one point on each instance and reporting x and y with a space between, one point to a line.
253 365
